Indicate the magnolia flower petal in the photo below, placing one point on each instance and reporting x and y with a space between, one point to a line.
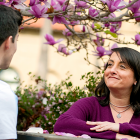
60 133
117 3
115 45
70 52
137 39
49 37
85 136
60 47
45 16
59 40
100 49
70 135
108 52
32 2
47 4
64 50
92 26
20 6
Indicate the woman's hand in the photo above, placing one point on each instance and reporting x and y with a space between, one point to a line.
104 126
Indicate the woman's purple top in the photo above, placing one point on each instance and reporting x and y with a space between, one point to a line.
88 109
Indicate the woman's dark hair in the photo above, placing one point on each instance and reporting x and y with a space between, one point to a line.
132 58
10 20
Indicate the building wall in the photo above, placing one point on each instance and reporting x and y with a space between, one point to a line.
26 60
27 57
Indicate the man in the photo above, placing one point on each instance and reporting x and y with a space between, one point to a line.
10 20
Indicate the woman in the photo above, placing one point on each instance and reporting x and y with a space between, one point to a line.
115 111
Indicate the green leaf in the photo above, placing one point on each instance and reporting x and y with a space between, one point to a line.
112 34
70 84
83 76
98 26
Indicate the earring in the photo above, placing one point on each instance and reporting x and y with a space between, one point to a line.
135 83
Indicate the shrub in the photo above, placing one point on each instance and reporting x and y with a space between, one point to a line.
42 107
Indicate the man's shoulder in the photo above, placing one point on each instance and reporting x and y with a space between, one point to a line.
3 84
8 99
6 91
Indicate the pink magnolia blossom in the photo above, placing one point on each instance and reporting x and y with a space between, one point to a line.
39 11
57 7
99 41
135 7
85 136
62 48
33 2
18 4
71 135
61 2
70 7
63 8
112 47
137 14
112 25
112 15
60 133
50 40
106 24
59 19
83 29
115 26
115 45
4 3
114 5
65 134
46 131
137 39
46 3
93 12
53 3
92 26
100 51
81 4
66 32
73 23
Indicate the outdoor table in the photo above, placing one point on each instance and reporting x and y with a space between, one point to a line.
22 135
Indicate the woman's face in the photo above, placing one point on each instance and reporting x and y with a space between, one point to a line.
118 74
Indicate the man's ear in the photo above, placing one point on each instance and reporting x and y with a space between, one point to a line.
8 41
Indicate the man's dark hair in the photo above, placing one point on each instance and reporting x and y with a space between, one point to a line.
132 58
10 20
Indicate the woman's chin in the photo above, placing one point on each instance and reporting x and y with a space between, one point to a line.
112 86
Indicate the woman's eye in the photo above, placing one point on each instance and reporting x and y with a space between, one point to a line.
109 64
122 66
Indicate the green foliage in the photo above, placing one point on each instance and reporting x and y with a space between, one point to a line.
97 26
42 107
111 33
